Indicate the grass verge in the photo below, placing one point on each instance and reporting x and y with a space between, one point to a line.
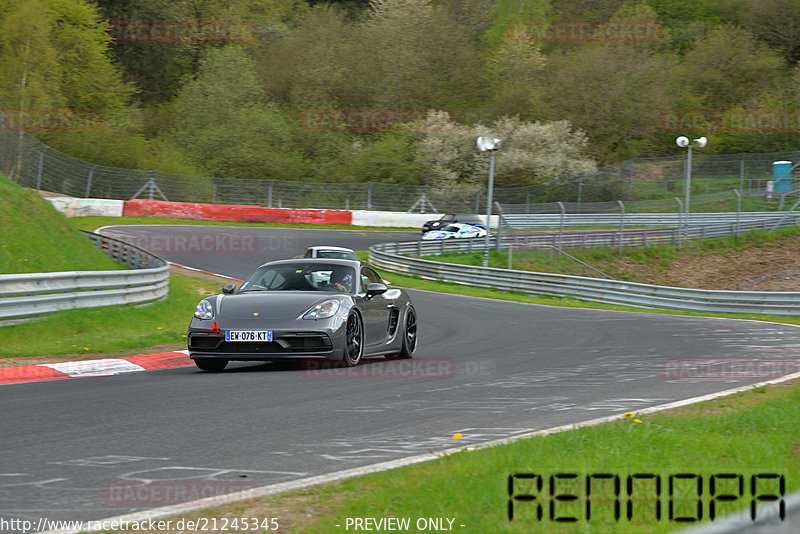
746 434
31 227
107 330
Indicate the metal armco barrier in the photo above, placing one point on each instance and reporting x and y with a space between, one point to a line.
553 220
29 294
392 257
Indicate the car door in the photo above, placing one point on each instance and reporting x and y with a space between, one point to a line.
377 311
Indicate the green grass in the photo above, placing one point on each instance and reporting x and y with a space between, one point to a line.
94 222
36 238
747 434
118 328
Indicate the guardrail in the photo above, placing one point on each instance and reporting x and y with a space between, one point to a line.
392 257
30 294
554 220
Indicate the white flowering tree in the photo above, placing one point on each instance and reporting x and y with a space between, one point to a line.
531 153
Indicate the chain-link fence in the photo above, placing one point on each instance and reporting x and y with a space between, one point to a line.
33 164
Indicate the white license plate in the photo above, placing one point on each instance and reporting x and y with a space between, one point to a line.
248 335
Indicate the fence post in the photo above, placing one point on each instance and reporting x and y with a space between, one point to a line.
561 229
630 176
269 193
478 202
741 172
738 211
89 181
39 171
214 190
680 224
621 226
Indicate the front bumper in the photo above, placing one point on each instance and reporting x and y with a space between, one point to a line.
284 344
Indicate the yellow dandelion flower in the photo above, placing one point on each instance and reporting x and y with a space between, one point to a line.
627 415
457 435
637 420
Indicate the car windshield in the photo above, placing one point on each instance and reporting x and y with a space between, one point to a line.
448 217
301 277
337 254
451 228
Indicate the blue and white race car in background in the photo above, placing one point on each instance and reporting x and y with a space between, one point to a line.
455 231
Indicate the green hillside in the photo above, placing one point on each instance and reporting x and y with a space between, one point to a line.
37 238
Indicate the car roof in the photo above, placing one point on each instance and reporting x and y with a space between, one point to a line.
328 261
326 247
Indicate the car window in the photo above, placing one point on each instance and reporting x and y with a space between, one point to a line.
336 255
368 276
309 254
301 277
451 228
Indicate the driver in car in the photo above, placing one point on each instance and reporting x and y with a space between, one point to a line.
342 280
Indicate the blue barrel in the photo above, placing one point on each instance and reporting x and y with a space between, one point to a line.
783 178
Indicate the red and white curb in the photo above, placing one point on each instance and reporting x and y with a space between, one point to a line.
94 368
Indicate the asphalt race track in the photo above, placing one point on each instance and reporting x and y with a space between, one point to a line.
487 369
237 250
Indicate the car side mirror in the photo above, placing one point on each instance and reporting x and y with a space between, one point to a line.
228 289
376 289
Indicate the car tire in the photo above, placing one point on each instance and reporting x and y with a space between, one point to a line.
213 365
353 341
409 344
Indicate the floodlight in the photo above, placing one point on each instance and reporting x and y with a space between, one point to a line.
701 142
683 141
488 143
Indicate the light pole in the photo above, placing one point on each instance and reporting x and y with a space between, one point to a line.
683 142
488 143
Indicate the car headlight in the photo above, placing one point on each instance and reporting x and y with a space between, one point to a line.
323 310
204 310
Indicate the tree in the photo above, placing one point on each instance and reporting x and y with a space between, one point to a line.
729 66
615 92
30 72
532 152
159 68
228 125
775 22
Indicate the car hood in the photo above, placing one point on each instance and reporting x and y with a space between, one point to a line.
272 304
436 234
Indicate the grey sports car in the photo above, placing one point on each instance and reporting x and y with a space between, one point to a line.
321 308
